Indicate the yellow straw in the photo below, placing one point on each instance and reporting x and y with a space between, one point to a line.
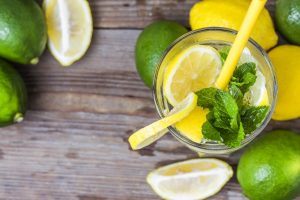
240 42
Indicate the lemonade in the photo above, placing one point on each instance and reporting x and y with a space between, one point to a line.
192 64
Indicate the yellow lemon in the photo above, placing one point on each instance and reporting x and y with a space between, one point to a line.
230 14
195 68
258 94
286 61
191 126
70 29
191 179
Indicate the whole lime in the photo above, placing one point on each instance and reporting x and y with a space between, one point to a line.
151 44
23 34
270 168
13 95
287 16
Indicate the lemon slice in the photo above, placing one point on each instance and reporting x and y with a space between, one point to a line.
258 94
195 68
246 57
70 29
192 179
153 132
191 126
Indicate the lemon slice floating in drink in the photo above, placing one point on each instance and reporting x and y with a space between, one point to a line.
195 68
192 179
70 29
258 94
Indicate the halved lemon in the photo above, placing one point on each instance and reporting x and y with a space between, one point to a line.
193 69
192 179
153 132
70 29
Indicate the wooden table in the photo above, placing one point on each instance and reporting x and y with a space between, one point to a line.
73 143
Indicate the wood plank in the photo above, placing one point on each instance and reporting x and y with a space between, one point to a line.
73 143
139 13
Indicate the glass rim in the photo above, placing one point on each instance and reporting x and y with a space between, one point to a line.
216 148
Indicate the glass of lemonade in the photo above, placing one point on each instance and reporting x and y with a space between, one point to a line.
189 131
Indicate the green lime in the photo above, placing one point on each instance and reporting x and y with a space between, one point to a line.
151 44
23 33
287 16
13 95
270 168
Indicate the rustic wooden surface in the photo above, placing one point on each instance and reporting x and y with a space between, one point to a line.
73 143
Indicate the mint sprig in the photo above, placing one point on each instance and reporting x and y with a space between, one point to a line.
230 119
237 94
225 111
252 117
244 76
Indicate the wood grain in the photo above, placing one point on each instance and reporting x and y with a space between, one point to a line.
73 143
139 13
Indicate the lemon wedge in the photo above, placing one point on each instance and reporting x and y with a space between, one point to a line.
193 69
192 179
70 29
154 131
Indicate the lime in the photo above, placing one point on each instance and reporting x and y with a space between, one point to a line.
270 168
287 16
151 44
23 31
13 95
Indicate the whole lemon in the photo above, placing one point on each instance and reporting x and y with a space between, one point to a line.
286 61
230 14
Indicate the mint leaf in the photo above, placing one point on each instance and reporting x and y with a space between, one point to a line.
244 69
234 139
230 119
224 53
209 132
244 76
226 111
206 97
237 94
252 117
210 117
